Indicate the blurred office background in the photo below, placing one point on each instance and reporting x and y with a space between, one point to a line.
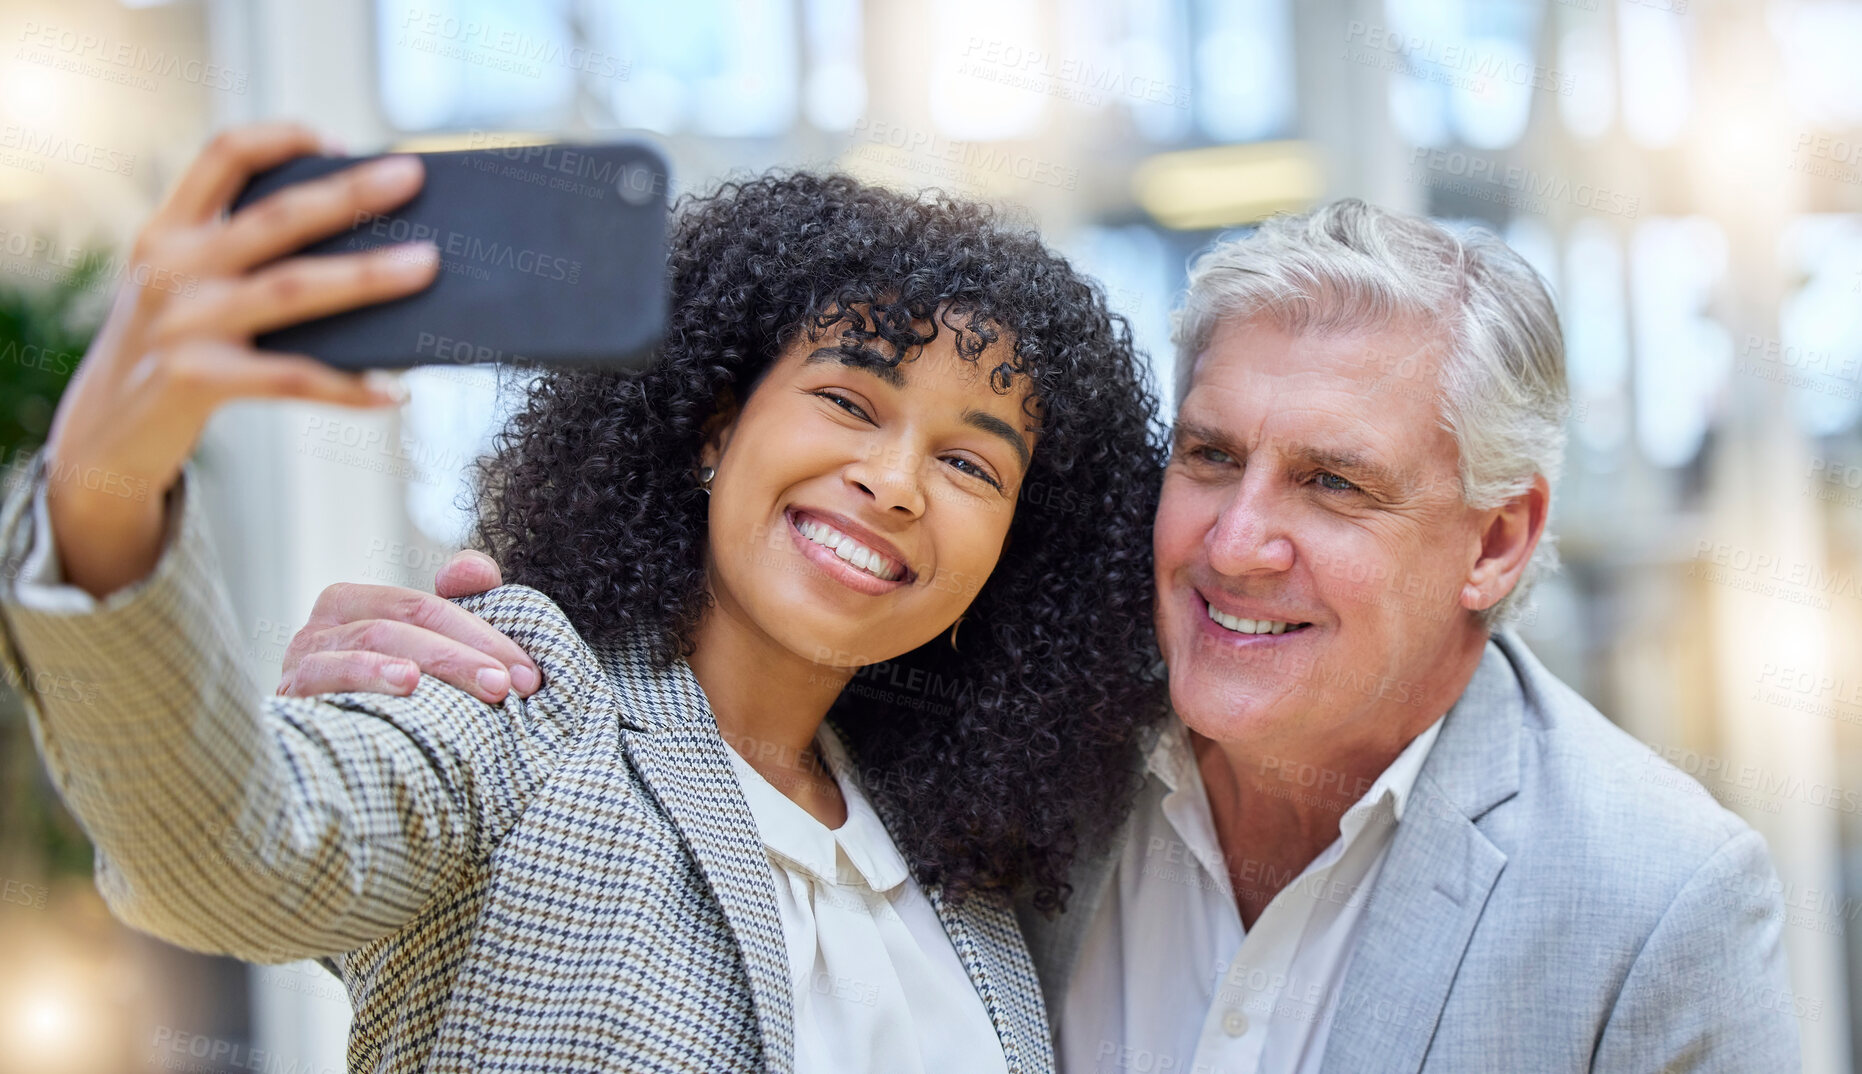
1687 174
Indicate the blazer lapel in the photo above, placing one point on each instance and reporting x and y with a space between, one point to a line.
673 741
1434 884
989 943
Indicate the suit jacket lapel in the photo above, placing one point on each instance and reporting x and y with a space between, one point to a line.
672 738
1420 918
1434 883
989 943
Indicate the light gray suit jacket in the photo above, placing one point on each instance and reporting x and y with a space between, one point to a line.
1556 899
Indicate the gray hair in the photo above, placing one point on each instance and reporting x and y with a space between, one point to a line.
1349 267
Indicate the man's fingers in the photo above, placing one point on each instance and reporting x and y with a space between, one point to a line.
345 606
222 169
345 672
482 676
469 572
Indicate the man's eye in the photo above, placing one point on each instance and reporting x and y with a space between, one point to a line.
1336 483
965 466
1205 453
846 404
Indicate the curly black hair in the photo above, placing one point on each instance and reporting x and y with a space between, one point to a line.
996 761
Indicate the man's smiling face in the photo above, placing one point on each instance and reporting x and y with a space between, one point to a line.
1312 543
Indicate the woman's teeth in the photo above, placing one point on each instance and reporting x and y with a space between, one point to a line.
848 549
1250 626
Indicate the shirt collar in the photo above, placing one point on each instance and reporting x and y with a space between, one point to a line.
792 834
1173 761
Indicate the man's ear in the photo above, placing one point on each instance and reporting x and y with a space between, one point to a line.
1507 537
718 430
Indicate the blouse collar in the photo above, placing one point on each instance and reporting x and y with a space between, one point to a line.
793 835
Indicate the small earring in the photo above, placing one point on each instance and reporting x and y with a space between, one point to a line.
953 630
705 474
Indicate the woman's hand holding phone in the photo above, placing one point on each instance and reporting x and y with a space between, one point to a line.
178 341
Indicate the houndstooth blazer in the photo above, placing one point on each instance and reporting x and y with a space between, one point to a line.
569 882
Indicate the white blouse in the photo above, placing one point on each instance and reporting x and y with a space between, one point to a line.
877 985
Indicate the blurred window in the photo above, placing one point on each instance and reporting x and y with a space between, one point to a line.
717 67
1244 69
1819 350
1139 271
727 68
1682 355
464 63
1595 316
1466 72
1656 61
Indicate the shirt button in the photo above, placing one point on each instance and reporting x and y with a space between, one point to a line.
1234 1023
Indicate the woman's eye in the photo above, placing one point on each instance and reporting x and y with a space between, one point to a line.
846 404
965 466
1335 483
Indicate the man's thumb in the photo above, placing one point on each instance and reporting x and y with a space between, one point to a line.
468 572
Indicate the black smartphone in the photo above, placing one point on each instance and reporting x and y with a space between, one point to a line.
550 254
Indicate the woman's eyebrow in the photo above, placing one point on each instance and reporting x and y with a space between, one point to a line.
872 362
995 426
860 358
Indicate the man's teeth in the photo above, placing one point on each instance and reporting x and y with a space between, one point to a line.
848 549
1250 626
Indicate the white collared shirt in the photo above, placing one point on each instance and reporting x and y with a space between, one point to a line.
1169 982
877 984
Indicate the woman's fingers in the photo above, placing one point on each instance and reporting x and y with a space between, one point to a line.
223 168
209 374
177 342
300 289
298 215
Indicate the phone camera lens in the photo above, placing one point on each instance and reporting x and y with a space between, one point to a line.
638 184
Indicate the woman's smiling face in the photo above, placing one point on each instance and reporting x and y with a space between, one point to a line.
858 507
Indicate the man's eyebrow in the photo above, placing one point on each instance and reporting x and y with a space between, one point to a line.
995 426
1355 465
860 358
1192 430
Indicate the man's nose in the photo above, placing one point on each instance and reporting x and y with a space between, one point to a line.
1248 536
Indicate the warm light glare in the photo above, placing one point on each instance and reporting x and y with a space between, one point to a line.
45 1020
1228 185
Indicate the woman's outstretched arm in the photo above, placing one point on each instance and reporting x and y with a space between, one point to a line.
223 821
229 821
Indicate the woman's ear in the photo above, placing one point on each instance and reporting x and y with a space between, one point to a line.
718 430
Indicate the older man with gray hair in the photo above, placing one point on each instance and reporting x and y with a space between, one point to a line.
1380 836
1377 835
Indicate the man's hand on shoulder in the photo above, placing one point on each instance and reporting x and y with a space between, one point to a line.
381 639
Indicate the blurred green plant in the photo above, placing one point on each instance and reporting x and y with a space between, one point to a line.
44 330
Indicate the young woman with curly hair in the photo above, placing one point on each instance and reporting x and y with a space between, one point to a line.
842 613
